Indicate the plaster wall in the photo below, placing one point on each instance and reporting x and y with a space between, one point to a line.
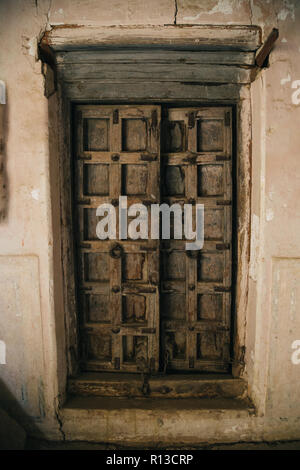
31 302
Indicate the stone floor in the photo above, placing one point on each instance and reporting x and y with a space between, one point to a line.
33 444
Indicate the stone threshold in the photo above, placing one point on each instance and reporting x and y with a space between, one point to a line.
104 404
151 420
200 386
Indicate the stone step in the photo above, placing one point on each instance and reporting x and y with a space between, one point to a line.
160 386
153 421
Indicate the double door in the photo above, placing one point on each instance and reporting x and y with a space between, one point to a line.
149 304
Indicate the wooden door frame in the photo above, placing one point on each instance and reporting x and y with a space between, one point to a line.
233 94
241 230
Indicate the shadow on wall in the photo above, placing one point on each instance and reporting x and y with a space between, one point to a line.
12 434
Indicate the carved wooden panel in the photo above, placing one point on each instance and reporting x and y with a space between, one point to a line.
210 180
134 180
96 134
134 134
134 309
117 154
210 134
96 307
96 179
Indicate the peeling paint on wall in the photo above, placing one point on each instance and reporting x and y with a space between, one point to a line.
35 193
223 6
30 46
296 354
288 10
269 215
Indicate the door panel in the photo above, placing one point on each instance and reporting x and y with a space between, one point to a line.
117 154
195 286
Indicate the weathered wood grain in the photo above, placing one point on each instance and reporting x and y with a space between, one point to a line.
119 73
209 37
183 386
156 56
149 91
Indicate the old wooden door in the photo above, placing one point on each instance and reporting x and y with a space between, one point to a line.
146 305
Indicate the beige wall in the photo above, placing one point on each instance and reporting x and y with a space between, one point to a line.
29 317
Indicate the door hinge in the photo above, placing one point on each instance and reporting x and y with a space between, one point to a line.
84 157
149 331
116 116
154 119
223 203
84 202
149 157
191 120
85 245
221 158
223 246
222 289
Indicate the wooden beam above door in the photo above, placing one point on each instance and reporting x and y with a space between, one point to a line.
196 37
